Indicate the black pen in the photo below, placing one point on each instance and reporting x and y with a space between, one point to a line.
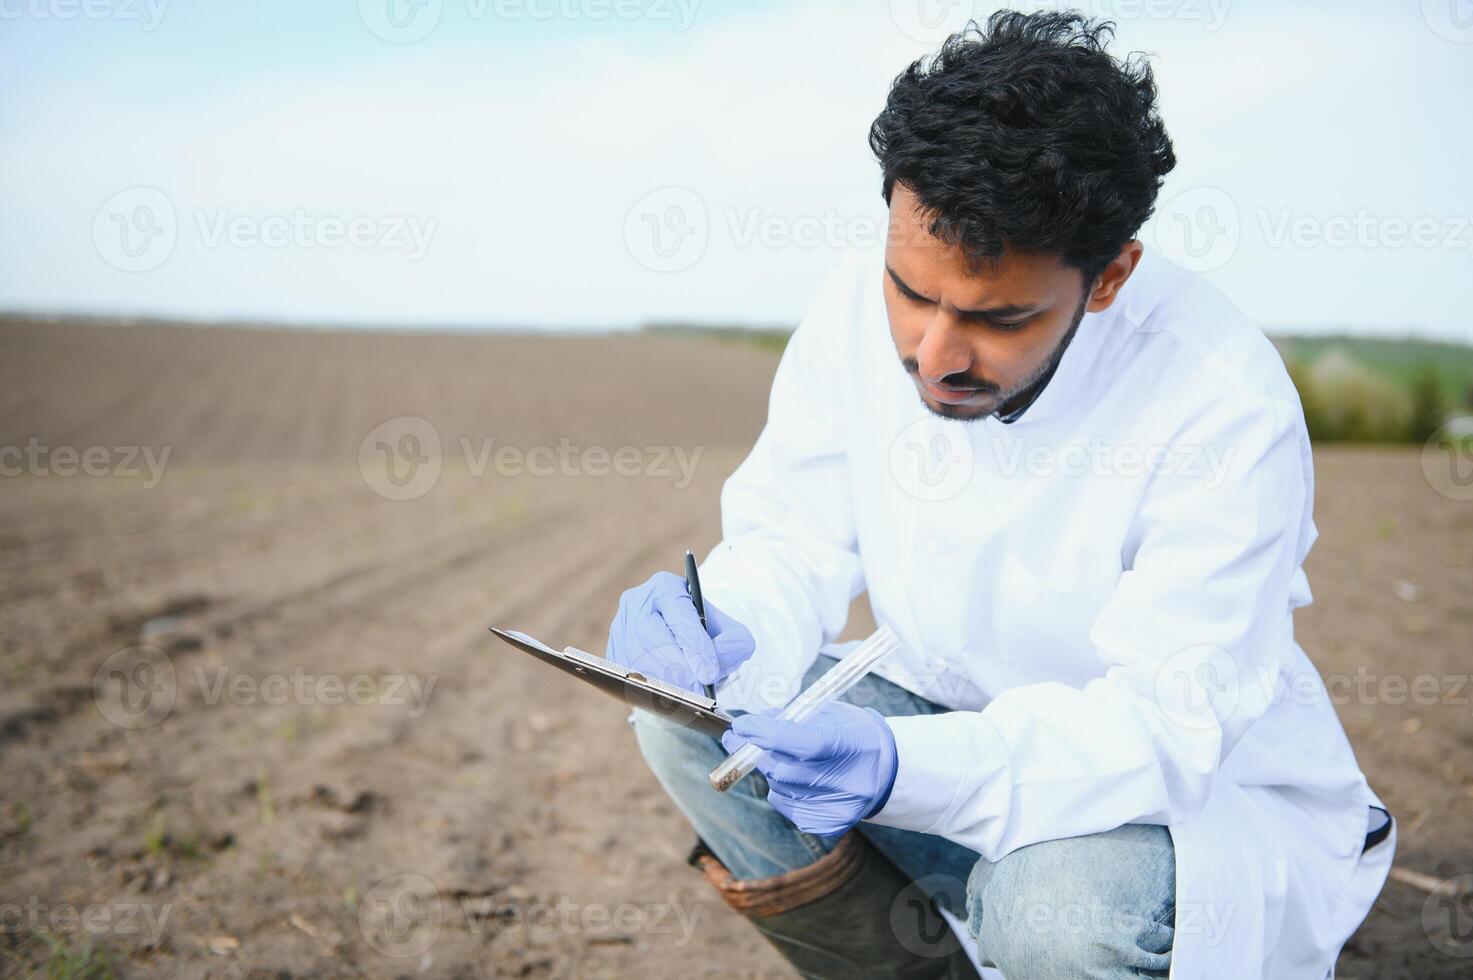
693 586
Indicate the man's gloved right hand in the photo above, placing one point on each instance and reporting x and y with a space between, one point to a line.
658 633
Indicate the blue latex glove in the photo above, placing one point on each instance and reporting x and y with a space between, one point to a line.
658 633
827 773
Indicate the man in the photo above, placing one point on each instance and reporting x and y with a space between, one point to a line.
1081 495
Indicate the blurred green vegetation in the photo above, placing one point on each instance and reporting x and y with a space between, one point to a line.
1354 389
1363 389
1400 360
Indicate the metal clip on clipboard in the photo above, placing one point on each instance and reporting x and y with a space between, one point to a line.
673 704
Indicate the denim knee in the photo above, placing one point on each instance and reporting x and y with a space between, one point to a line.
1094 906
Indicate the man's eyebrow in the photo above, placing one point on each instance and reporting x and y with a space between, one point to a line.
999 312
900 283
990 313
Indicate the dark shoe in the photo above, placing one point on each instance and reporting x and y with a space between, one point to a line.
850 914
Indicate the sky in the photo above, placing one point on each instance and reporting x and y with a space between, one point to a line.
594 164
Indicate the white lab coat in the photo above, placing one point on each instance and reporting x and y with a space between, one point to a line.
1103 589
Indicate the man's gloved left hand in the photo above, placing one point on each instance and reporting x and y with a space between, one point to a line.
658 633
827 773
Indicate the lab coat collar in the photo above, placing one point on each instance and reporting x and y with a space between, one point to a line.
1142 292
1079 357
1040 386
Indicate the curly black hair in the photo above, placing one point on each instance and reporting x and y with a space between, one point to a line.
1026 132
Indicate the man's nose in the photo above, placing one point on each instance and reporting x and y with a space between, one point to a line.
943 350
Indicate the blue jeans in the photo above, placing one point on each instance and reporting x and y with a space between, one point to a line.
1099 906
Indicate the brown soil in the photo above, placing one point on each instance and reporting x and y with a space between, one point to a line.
504 813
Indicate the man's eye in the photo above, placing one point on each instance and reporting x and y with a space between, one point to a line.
1009 325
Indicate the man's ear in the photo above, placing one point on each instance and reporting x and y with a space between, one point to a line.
1107 286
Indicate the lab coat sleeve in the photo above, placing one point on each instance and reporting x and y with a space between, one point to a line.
1191 640
788 565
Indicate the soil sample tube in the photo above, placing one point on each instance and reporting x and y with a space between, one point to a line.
840 678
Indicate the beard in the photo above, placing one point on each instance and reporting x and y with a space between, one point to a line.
1000 402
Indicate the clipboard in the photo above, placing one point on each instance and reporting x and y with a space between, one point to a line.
671 703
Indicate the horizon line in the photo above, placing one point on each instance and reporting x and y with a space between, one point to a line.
1360 332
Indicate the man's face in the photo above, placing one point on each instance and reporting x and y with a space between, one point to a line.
970 339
